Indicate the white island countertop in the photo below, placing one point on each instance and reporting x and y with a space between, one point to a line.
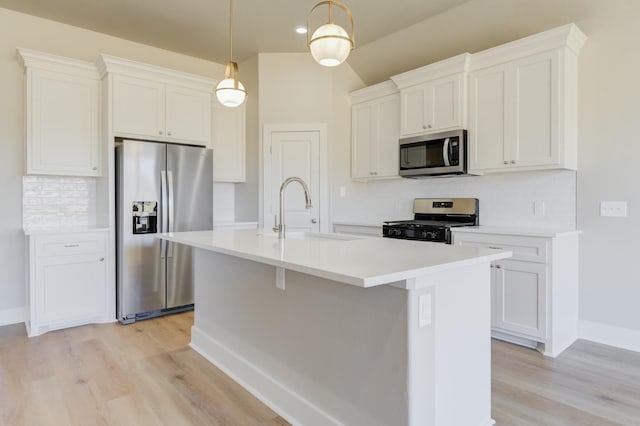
355 260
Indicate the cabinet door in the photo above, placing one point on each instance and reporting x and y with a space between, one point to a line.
62 124
535 111
138 107
488 134
520 298
415 108
445 96
188 115
70 288
362 118
228 143
387 134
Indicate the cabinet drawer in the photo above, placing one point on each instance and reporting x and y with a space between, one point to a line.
70 244
529 249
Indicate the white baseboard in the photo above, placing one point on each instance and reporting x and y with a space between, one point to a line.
287 403
12 316
623 338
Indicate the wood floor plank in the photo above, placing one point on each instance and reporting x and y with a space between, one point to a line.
146 374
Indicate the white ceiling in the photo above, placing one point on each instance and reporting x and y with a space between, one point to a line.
392 36
200 27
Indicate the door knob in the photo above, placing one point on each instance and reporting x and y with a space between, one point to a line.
314 220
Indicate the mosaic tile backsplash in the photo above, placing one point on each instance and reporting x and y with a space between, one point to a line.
58 202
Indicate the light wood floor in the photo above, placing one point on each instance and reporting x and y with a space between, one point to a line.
145 374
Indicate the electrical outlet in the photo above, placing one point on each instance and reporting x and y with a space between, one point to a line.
613 208
343 191
538 208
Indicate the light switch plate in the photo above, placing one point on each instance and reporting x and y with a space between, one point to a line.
613 208
538 208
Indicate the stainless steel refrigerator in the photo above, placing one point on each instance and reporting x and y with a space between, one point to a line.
160 187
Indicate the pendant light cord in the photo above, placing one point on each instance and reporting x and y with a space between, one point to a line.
230 32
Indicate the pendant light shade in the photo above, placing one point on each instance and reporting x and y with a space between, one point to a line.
330 44
230 92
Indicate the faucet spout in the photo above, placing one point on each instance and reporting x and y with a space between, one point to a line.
280 228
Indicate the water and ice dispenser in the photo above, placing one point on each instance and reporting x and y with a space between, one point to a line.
145 217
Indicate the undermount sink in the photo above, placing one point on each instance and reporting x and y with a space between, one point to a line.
316 236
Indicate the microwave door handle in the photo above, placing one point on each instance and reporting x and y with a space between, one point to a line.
445 152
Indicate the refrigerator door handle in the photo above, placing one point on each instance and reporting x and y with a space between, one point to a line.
170 208
165 218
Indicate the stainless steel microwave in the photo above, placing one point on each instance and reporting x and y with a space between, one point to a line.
434 155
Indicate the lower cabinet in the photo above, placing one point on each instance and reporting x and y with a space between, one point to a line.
67 281
519 295
535 292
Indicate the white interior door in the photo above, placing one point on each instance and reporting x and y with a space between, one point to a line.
287 154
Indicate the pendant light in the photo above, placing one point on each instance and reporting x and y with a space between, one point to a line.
330 44
230 92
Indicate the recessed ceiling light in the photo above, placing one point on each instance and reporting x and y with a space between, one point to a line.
301 29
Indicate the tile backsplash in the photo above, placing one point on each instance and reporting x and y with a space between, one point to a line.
58 202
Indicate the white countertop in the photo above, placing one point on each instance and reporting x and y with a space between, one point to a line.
355 260
527 232
47 231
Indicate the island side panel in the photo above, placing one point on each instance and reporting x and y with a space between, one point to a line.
319 352
454 386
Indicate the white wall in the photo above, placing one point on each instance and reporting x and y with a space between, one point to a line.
609 91
505 199
295 89
20 30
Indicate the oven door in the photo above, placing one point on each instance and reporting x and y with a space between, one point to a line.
438 155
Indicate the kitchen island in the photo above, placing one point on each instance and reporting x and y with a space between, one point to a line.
337 329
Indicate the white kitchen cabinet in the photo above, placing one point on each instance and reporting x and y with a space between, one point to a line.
535 292
523 104
62 116
375 132
150 102
432 107
433 97
520 290
67 281
151 109
228 140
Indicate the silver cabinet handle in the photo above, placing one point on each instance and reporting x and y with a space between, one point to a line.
95 168
496 248
513 161
314 220
169 133
506 162
71 245
102 259
159 132
498 267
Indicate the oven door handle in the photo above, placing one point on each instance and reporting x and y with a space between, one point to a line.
445 152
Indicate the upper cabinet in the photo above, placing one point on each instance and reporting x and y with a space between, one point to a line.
523 103
62 115
228 142
157 103
433 97
375 130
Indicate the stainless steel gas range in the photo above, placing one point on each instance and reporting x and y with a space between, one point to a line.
433 219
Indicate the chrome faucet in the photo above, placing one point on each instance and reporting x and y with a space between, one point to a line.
280 228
